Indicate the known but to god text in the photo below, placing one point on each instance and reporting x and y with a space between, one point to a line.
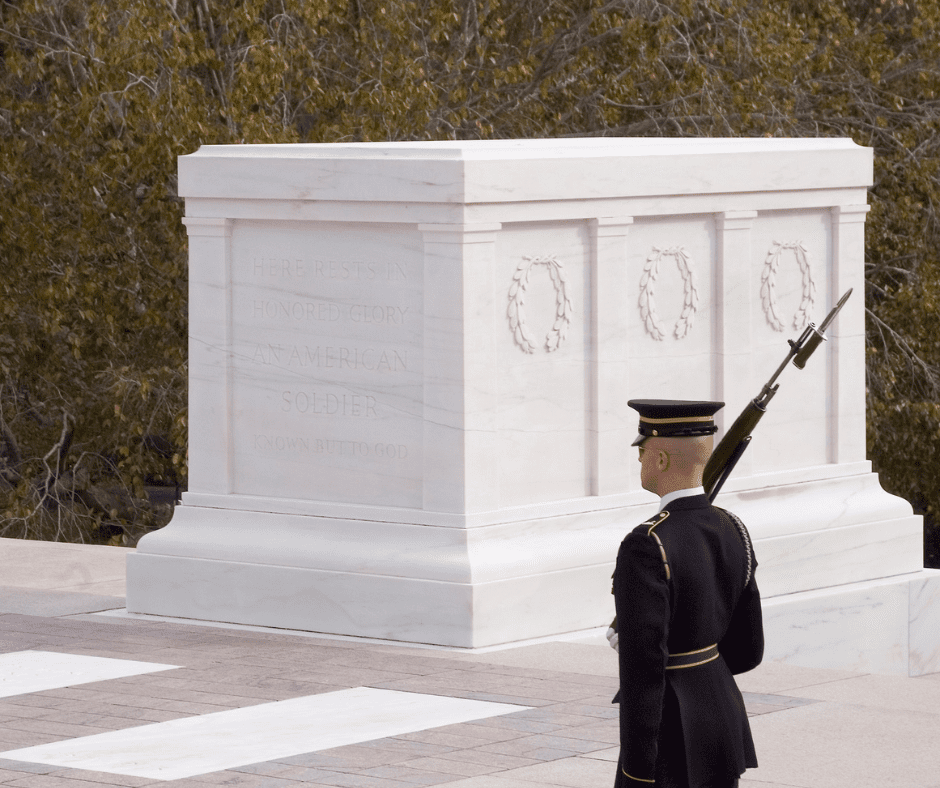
293 444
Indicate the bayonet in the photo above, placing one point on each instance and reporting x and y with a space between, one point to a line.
736 440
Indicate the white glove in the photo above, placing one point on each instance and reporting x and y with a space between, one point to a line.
613 639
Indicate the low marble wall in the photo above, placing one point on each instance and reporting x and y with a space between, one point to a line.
410 363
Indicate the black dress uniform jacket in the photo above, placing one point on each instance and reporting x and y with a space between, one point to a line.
685 581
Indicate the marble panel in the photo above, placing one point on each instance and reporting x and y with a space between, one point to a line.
542 362
327 362
670 299
789 289
670 263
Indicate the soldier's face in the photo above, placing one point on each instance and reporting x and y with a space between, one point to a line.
644 469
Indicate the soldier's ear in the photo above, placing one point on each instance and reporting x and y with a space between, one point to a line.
663 459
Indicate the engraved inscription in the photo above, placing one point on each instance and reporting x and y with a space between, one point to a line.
361 270
320 403
291 444
325 346
323 311
368 358
365 313
278 266
295 310
284 443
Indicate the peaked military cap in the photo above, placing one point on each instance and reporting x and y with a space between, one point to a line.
675 418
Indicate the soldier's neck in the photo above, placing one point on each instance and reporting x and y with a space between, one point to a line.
669 483
668 498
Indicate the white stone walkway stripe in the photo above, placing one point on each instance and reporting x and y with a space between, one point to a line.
256 734
34 671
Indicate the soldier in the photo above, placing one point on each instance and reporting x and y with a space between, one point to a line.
688 616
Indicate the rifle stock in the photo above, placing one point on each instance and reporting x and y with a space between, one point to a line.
730 448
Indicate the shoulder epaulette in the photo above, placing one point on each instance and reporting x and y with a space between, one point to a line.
650 527
655 520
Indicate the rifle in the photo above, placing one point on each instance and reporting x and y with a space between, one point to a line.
736 440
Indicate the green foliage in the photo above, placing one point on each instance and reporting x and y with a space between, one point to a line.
97 99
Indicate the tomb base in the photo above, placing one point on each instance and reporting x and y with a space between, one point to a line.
413 582
886 626
841 583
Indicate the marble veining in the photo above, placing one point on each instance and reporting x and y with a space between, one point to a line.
861 627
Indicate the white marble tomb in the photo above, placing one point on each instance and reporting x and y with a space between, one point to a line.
409 373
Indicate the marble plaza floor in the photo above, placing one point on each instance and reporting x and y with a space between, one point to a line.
90 696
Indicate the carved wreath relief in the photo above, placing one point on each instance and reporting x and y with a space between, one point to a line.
768 286
652 323
516 309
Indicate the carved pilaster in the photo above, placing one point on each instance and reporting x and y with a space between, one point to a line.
734 291
210 334
460 404
613 422
847 335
